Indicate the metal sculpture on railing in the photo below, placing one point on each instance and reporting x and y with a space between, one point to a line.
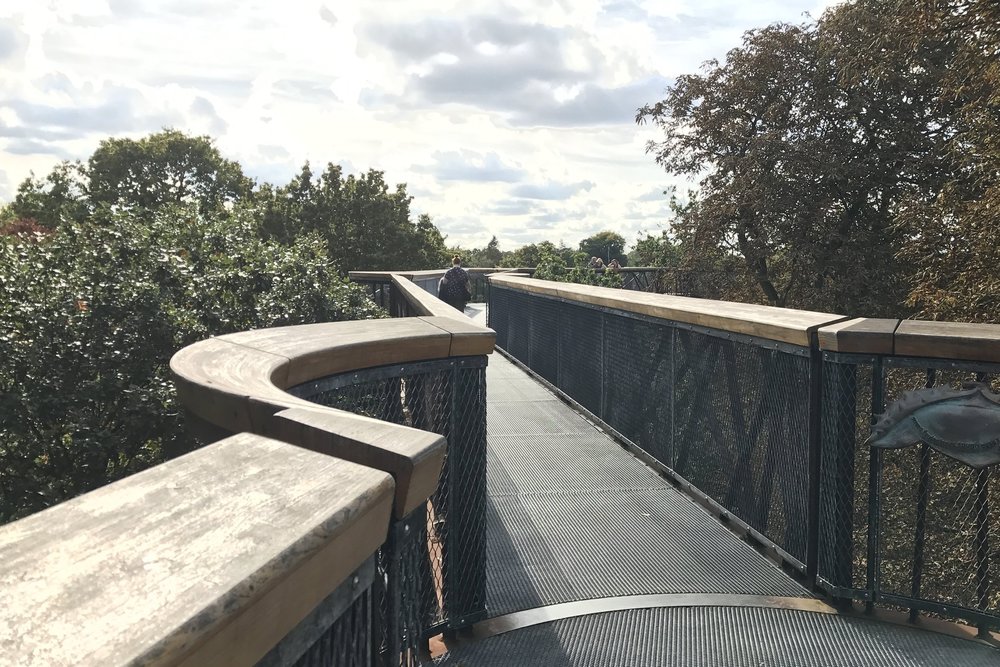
963 424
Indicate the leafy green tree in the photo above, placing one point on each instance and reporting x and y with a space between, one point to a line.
61 195
532 254
365 224
607 245
431 250
953 237
492 253
90 316
553 267
659 250
166 168
807 159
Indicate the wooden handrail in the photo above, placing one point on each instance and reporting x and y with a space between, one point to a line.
208 559
957 341
237 382
780 324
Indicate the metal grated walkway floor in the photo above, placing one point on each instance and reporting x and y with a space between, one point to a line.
574 517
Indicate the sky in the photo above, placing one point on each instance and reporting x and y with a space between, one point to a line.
513 118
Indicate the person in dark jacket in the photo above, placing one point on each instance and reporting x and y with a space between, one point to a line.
454 287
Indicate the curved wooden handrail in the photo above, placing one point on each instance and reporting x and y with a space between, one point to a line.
237 382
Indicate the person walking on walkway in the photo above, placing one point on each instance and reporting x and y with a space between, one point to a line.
454 288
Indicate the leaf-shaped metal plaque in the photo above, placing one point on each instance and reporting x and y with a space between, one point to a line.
963 424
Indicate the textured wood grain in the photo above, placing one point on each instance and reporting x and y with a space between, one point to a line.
780 324
208 559
949 340
237 383
467 337
861 335
384 276
412 457
422 302
318 350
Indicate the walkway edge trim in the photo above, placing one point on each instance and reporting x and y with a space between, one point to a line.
519 620
522 619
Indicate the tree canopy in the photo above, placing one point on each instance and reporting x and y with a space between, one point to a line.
818 144
109 266
90 315
607 245
165 168
365 222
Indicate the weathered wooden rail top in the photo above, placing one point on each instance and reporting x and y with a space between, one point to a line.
779 324
214 558
237 383
209 559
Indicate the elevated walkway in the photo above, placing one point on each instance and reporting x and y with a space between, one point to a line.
595 559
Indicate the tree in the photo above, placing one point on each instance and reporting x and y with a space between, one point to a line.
166 168
554 267
607 245
656 251
806 167
365 225
90 316
953 237
531 254
492 253
62 195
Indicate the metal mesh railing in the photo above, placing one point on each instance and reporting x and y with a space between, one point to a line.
741 431
431 571
907 527
347 643
379 290
728 413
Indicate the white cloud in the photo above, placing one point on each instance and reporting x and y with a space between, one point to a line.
513 119
551 190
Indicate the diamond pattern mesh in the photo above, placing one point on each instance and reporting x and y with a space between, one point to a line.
638 388
728 414
580 352
498 314
430 571
907 526
741 431
347 642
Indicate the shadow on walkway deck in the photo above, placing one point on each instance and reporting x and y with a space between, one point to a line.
595 560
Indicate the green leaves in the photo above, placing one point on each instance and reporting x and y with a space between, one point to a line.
164 169
90 316
365 224
850 164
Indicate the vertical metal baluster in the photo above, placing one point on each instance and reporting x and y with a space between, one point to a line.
982 536
923 496
815 442
602 413
982 544
673 398
873 575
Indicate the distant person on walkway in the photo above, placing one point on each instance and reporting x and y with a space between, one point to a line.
454 287
597 263
614 266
